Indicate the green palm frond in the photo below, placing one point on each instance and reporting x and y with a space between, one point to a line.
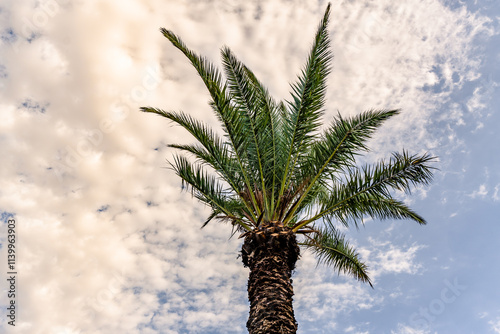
213 151
209 73
208 189
339 145
270 125
345 139
303 116
331 248
367 190
244 96
230 118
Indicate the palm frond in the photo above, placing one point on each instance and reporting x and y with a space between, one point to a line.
207 189
353 211
213 151
231 120
270 125
331 248
339 145
221 102
244 95
272 164
345 139
373 184
208 72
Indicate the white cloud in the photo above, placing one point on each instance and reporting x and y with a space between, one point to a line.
495 194
495 325
482 315
386 258
481 95
405 329
318 299
476 104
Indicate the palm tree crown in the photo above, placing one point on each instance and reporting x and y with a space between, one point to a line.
275 166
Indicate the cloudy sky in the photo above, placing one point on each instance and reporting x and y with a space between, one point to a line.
108 243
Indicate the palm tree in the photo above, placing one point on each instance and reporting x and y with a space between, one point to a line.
281 181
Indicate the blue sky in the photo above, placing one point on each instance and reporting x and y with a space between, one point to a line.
107 241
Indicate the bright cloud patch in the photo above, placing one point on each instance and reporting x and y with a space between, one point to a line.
385 258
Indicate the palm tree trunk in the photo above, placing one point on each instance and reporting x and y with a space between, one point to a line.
270 253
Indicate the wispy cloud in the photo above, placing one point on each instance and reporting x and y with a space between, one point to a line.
405 329
386 258
320 296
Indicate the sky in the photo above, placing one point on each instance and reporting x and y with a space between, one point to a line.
106 241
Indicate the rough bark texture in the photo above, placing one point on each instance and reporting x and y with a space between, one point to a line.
271 253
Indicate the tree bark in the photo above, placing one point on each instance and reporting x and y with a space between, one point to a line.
270 253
